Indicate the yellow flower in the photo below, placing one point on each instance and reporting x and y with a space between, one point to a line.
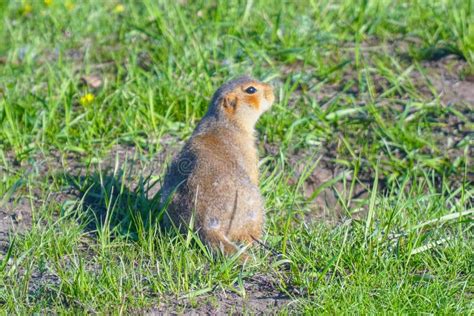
48 2
69 5
119 8
87 99
26 9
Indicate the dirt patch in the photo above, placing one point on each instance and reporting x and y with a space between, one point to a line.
451 78
15 218
261 297
327 188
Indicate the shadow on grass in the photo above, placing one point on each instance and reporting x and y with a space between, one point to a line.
108 204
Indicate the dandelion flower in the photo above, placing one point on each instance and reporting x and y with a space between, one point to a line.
26 9
69 5
119 8
87 99
48 2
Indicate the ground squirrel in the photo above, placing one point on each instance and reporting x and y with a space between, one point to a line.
214 179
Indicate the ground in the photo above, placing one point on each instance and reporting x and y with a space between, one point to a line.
366 157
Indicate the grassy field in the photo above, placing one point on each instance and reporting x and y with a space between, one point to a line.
366 157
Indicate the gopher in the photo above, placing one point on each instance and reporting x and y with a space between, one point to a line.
212 184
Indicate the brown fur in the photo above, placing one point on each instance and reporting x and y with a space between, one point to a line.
214 179
253 100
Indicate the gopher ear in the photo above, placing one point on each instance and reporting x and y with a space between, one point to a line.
229 103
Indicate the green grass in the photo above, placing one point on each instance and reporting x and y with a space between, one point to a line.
353 84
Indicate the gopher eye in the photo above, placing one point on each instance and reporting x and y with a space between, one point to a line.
251 90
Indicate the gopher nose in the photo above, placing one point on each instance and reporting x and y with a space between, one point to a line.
269 93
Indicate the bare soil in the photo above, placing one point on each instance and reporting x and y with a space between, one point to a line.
451 78
261 297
